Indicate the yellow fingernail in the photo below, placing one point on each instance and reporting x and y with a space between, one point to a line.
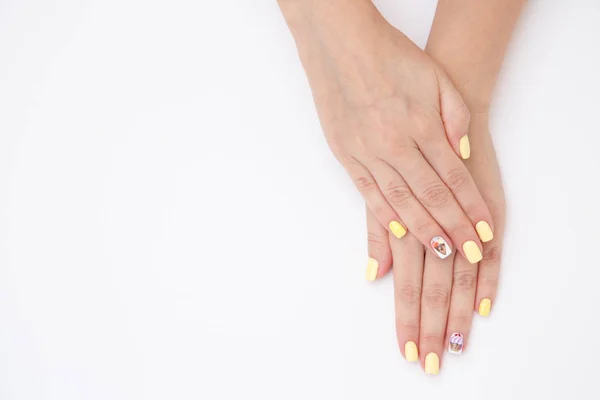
485 306
397 229
484 231
465 147
372 269
432 364
411 352
472 252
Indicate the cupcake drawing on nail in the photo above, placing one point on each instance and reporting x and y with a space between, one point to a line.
441 248
455 346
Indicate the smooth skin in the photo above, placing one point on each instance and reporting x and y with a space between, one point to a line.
435 298
394 120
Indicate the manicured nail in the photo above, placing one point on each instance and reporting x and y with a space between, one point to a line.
432 364
485 307
465 147
441 247
372 269
472 252
397 229
411 352
484 231
455 346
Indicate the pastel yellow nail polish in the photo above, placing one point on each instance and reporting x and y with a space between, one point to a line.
485 306
472 252
411 352
484 231
465 147
397 229
432 364
372 269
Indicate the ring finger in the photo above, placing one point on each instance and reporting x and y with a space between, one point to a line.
460 317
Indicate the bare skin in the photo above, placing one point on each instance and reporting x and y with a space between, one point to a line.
394 120
435 298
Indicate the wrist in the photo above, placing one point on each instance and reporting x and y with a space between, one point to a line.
328 21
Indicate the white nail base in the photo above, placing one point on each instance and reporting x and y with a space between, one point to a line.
441 247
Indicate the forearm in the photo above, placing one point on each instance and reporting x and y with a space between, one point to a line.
330 25
469 39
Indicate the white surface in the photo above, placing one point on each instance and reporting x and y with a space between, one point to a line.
173 225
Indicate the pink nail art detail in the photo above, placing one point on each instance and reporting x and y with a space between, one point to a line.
455 346
441 247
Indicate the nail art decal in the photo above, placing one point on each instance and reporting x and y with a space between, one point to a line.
441 248
456 343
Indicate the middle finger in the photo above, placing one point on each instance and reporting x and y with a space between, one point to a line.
435 300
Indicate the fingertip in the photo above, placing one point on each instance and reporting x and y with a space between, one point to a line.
484 231
485 307
465 147
372 269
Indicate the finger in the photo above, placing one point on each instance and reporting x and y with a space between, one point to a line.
367 186
455 116
437 282
380 254
460 316
408 256
488 276
415 216
437 199
457 178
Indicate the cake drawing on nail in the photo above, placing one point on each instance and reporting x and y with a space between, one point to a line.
441 247
455 346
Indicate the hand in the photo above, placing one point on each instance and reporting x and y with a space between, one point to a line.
435 298
396 123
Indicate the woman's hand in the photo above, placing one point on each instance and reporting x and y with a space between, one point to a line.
435 298
394 120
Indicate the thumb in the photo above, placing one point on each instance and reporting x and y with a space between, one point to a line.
380 253
456 117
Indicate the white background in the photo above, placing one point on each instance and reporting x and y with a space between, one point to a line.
173 226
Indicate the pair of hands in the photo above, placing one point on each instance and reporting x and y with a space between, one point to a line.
395 121
434 298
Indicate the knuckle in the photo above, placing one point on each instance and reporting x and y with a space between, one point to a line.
399 195
377 241
365 183
435 195
424 228
492 254
458 179
409 293
400 150
462 114
432 339
436 296
465 280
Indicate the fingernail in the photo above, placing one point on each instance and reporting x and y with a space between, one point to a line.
485 307
455 346
411 352
472 252
484 231
465 147
397 229
441 247
432 364
372 269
